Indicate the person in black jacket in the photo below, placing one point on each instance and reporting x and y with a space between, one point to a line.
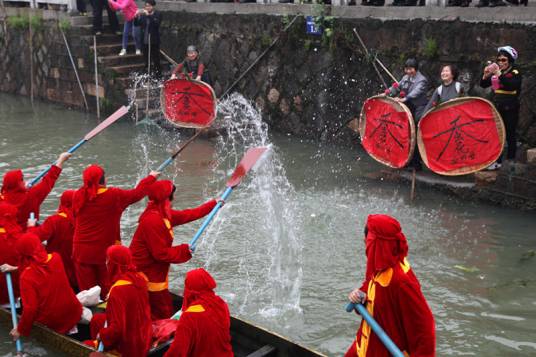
149 21
192 66
506 80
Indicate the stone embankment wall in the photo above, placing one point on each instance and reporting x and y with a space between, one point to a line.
34 58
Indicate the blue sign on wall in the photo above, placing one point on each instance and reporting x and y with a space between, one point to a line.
310 26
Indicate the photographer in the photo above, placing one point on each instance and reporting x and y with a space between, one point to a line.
505 80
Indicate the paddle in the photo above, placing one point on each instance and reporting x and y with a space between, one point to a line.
378 330
99 128
13 309
248 161
183 146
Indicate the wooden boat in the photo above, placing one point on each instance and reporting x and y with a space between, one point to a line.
247 339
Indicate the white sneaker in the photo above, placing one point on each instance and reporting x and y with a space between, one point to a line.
138 52
494 166
123 52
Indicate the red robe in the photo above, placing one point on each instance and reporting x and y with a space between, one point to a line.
97 226
129 328
395 300
204 327
30 200
47 298
153 253
8 255
58 231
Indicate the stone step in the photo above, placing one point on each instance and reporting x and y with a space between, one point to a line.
116 60
104 39
113 49
129 68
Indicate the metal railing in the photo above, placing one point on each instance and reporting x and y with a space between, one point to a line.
69 5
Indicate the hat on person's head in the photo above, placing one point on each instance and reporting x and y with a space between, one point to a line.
509 52
191 48
411 63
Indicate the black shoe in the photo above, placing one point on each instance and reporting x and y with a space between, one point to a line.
410 3
513 2
497 3
482 3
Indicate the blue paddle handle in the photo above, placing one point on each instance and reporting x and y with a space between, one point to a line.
11 295
44 172
165 164
378 330
209 218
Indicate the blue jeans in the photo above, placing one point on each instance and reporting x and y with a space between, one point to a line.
128 28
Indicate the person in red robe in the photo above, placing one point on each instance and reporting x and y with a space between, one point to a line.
204 326
392 295
152 248
58 230
28 200
9 256
128 316
97 210
46 295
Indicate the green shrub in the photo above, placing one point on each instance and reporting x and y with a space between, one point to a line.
64 25
431 48
18 22
37 23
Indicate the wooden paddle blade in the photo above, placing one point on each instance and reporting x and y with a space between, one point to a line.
248 161
106 123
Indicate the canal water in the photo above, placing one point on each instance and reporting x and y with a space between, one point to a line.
287 247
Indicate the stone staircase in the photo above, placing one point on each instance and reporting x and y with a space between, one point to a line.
126 72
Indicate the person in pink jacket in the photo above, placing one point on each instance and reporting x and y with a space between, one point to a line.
129 10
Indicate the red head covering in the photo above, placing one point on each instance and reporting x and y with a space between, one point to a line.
386 245
120 266
13 187
32 253
199 289
159 193
91 176
66 204
8 218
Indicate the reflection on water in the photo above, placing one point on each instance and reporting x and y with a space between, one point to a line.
474 261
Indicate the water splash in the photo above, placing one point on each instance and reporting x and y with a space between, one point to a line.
262 215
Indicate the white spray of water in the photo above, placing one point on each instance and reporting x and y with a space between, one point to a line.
262 215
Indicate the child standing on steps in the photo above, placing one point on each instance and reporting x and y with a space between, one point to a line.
149 20
129 10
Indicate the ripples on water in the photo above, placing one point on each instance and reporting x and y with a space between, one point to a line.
287 247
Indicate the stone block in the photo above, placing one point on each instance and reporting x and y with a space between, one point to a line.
54 73
273 96
485 178
81 63
531 156
92 90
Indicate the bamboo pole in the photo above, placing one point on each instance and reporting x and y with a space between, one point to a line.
376 59
148 76
74 68
30 42
96 76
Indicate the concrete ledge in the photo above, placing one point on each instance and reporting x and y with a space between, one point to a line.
521 15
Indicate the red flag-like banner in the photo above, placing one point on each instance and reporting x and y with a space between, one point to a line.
387 131
188 103
461 136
